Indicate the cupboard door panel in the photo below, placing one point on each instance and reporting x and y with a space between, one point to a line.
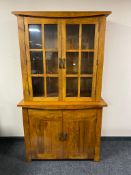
45 130
79 53
79 129
43 50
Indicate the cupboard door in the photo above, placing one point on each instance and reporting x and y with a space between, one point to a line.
45 131
43 48
79 52
79 128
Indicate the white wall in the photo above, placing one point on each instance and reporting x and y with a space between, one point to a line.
117 66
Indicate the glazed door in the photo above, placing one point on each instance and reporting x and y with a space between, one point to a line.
79 131
79 53
62 58
43 49
45 134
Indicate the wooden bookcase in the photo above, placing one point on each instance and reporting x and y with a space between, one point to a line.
61 61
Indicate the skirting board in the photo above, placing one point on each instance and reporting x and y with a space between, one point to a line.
108 138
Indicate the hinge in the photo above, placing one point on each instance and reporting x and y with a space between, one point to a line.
62 63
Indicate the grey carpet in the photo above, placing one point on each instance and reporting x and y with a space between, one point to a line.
115 160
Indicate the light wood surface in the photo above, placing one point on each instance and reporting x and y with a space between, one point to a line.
23 58
61 127
102 27
62 104
27 134
80 129
45 129
98 135
61 14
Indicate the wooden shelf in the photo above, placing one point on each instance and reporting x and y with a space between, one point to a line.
62 104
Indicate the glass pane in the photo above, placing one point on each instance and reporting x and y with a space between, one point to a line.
52 87
72 87
87 63
86 87
72 63
88 33
72 36
51 62
50 35
36 62
35 36
38 86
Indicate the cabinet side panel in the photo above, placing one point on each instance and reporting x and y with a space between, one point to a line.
101 42
98 135
23 57
26 134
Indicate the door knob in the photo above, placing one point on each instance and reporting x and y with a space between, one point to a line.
64 63
60 63
63 136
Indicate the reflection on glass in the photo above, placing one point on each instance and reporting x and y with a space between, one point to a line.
52 87
87 63
52 62
50 35
37 85
88 34
72 63
35 36
71 87
36 62
85 87
72 36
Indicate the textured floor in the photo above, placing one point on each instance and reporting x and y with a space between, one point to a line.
116 160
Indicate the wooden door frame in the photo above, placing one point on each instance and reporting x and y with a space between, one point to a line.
23 57
94 20
25 61
42 21
100 61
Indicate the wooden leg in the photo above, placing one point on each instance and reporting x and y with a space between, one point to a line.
26 134
98 135
97 155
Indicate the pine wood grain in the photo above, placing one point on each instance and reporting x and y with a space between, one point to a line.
61 14
27 134
62 127
62 104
